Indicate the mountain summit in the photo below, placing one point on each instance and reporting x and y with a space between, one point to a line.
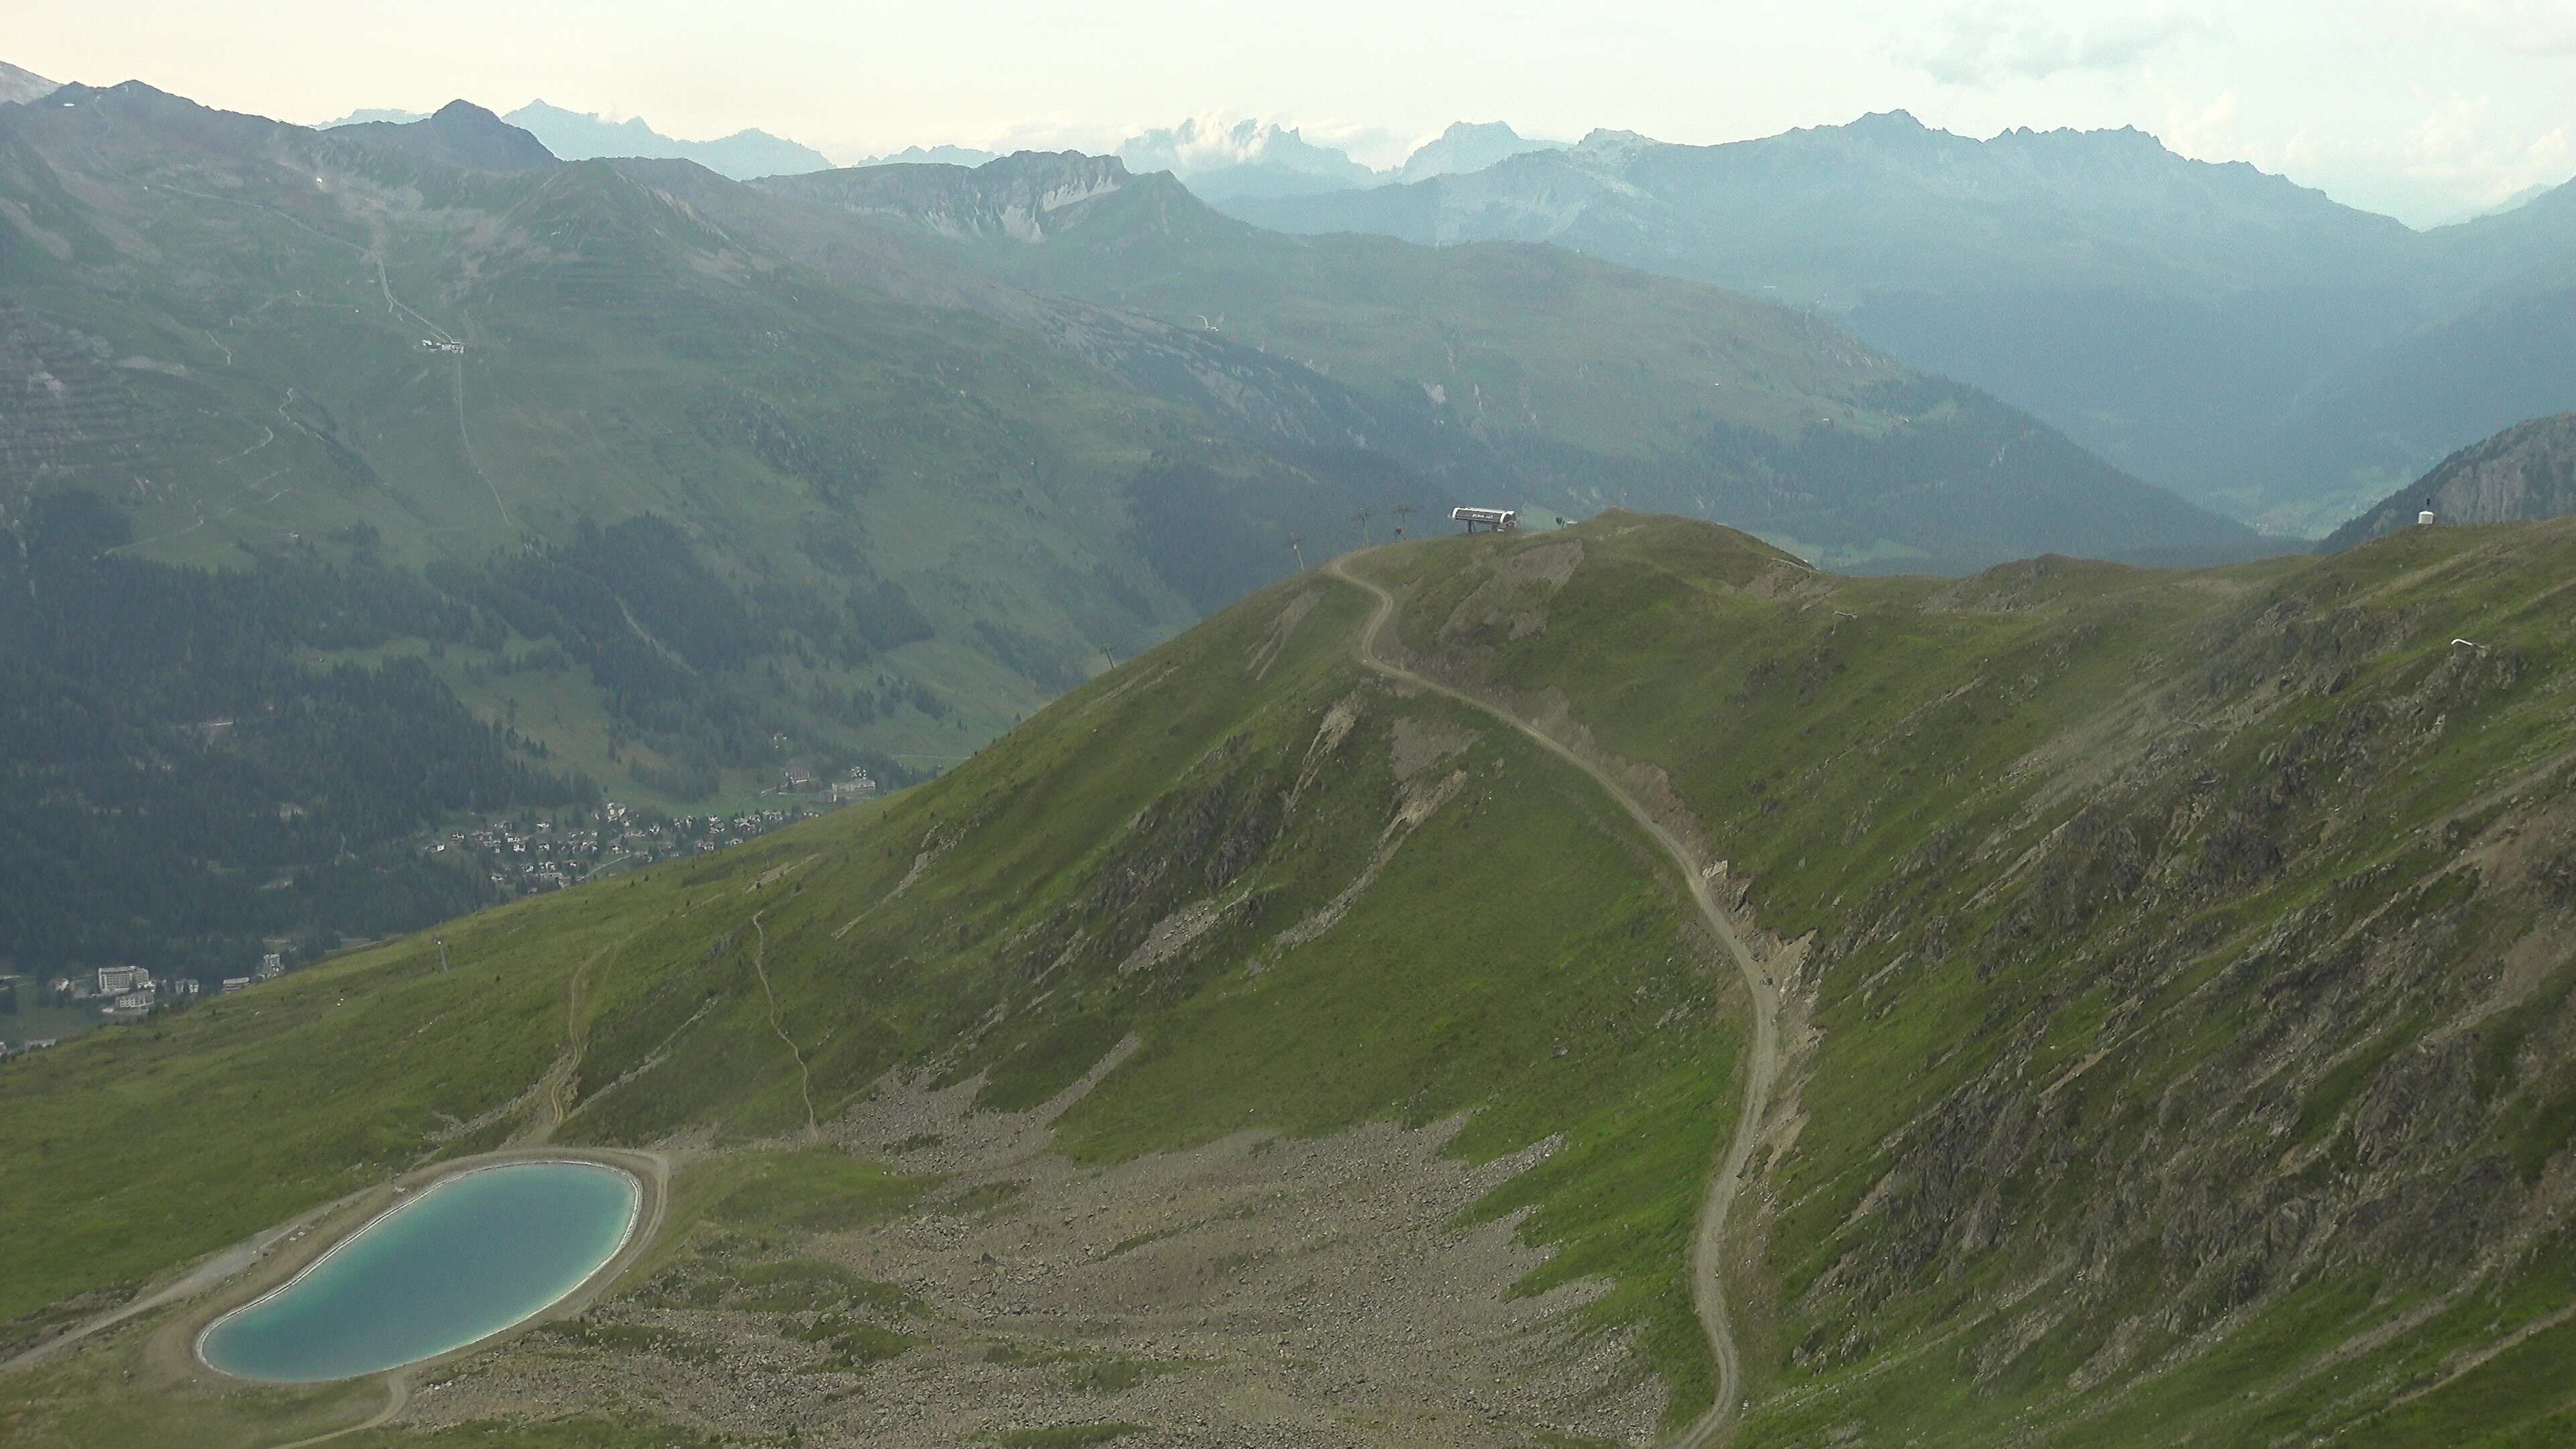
461 133
582 136
1469 146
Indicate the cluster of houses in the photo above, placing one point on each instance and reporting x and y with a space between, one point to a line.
120 993
522 857
530 856
129 993
797 777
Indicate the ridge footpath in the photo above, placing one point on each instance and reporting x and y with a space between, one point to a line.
1762 1065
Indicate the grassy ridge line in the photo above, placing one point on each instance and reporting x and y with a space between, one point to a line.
1762 1060
1309 1049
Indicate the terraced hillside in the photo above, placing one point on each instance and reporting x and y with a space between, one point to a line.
2171 978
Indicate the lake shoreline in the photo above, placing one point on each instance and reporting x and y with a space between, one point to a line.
282 1256
408 1199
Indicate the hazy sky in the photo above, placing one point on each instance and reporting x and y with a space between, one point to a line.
2420 108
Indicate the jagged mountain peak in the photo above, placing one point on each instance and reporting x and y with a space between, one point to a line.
1899 120
939 155
1221 158
1469 146
1604 138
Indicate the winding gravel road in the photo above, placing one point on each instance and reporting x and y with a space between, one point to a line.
1708 1241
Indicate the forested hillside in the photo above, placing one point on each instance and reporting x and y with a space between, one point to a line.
188 777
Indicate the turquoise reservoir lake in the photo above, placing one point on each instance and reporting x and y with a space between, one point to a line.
463 1259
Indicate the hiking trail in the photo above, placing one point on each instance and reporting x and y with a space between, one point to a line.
1762 1065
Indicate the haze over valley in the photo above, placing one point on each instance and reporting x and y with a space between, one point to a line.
890 778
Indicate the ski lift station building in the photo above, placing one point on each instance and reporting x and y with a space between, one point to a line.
1494 520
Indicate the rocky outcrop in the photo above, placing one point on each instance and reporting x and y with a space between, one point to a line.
1025 197
2526 472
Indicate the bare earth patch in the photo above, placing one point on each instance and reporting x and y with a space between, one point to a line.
1254 1290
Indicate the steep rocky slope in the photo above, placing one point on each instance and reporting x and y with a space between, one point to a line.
23 85
2174 967
2525 473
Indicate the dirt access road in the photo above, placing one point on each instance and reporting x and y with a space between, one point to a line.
1708 1256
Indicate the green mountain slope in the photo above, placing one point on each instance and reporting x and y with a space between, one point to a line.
2185 1020
2525 473
2173 982
1590 384
618 361
676 507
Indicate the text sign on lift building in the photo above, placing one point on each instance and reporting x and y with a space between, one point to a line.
1493 520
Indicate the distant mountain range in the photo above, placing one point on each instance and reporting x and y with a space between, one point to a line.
2252 344
1252 161
2524 474
1221 161
580 136
932 156
455 477
1245 159
1580 384
2247 341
